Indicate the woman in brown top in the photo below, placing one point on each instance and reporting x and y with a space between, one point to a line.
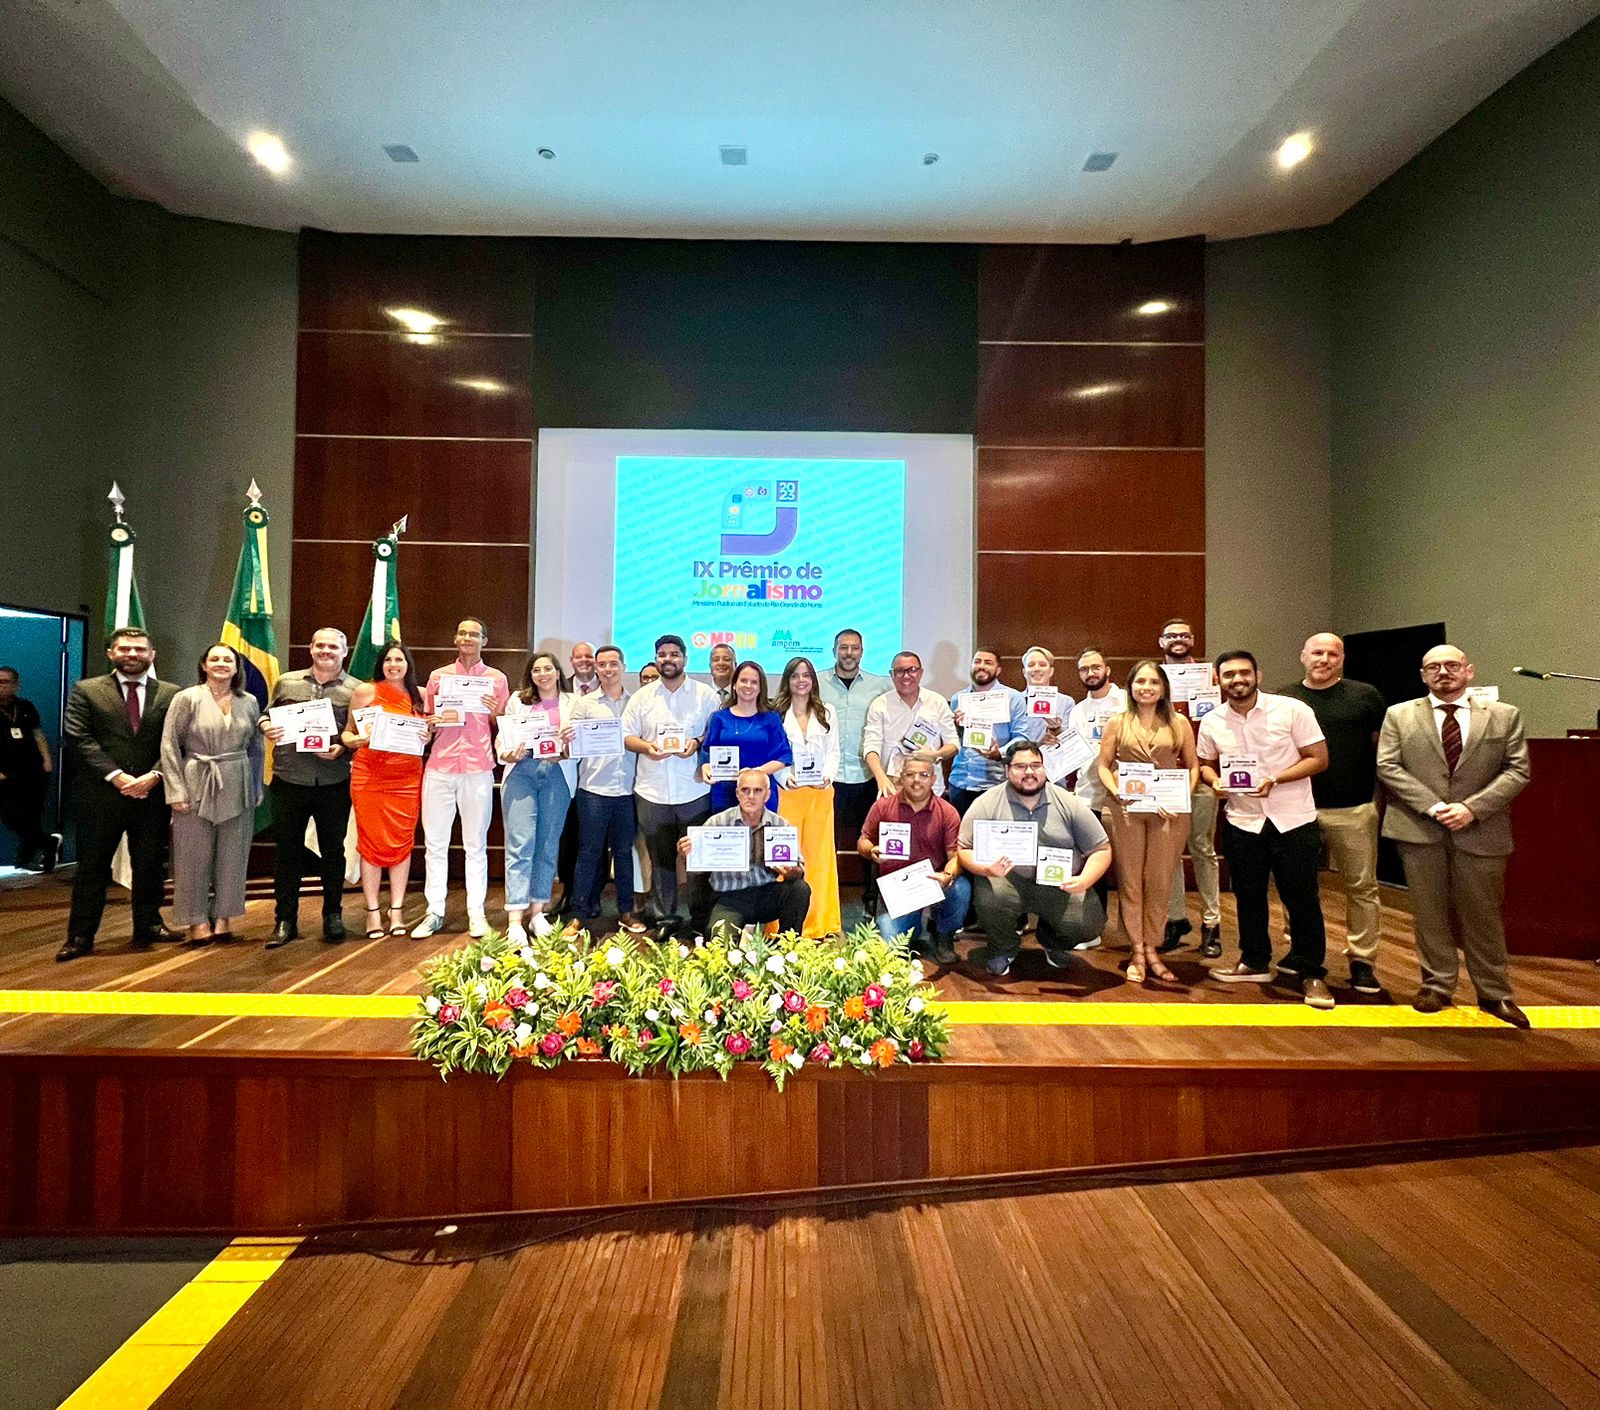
1147 846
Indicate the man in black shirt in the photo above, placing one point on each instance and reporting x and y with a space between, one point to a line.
25 767
1350 713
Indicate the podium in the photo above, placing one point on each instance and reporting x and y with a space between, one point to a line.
1553 880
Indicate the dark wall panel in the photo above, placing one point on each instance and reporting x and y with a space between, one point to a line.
1092 293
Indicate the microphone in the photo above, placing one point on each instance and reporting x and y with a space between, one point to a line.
1532 675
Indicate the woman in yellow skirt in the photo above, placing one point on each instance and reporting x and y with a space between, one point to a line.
806 796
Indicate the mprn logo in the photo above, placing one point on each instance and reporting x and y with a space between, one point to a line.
760 519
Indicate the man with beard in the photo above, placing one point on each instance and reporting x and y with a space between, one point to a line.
1004 892
847 691
663 724
1087 719
974 771
1269 830
1177 646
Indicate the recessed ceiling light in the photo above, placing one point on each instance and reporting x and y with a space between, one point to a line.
1151 307
929 158
735 156
414 319
1099 161
547 153
1294 150
268 150
399 152
492 386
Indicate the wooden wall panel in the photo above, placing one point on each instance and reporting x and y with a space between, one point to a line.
452 491
1048 498
1092 293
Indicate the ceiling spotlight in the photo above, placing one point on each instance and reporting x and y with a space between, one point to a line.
929 158
1151 307
268 150
547 153
491 386
399 152
1294 150
414 319
1099 161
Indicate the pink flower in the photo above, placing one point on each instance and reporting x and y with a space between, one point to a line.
504 1024
742 989
794 1002
737 1044
873 996
516 997
646 1037
915 1049
449 1013
666 986
821 1053
604 992
552 1044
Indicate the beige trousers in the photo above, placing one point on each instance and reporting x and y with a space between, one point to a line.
1350 836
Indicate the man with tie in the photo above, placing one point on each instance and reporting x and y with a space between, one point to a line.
114 722
1451 766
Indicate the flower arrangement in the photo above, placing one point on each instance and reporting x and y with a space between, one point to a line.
859 1002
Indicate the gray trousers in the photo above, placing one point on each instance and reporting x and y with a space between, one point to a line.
1001 901
208 866
1203 850
1452 889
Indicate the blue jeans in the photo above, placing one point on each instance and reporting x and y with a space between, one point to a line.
534 799
948 915
604 824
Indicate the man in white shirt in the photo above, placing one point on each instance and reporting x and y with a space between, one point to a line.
1258 753
1087 719
847 691
585 681
604 804
670 794
906 720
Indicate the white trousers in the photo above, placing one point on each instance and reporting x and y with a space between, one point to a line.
443 796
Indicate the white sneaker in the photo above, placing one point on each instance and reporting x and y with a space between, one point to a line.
430 924
541 925
477 927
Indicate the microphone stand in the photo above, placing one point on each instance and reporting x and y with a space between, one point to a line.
1558 676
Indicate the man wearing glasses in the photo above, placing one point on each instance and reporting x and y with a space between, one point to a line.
1451 766
1004 890
1177 646
906 720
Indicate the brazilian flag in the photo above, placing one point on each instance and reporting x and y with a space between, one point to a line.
381 625
248 626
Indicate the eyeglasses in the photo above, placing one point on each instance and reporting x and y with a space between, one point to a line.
1444 668
1177 636
906 671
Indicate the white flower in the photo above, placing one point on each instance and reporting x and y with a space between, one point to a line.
541 980
431 1003
916 1005
653 1015
916 969
792 957
735 956
886 978
861 957
679 1014
796 1061
615 956
577 968
711 1015
486 964
775 964
523 1032
527 954
838 965
777 1026
699 941
683 952
482 991
847 1042
774 1002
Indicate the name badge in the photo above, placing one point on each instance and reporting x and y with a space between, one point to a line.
16 731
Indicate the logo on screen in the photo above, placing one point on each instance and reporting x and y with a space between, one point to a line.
760 517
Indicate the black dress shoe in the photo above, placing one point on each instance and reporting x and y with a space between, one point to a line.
76 948
52 851
333 930
944 949
1173 936
1210 942
1506 1012
1429 1001
162 934
282 933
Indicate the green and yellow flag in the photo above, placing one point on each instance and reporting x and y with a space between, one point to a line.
381 625
123 608
248 626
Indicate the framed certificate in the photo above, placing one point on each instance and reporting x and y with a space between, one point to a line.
993 839
719 848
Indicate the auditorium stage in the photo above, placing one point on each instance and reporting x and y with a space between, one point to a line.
231 1088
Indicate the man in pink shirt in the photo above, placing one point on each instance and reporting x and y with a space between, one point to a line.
462 698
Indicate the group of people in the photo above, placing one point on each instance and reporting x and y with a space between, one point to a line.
589 773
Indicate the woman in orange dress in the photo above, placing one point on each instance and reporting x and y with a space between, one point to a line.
385 787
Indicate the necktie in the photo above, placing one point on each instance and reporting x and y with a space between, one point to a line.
1450 736
132 707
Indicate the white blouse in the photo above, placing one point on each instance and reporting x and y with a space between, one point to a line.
816 738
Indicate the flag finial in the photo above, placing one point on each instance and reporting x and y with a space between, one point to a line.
254 494
399 525
118 499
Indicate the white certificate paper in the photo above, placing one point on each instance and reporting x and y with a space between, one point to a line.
1055 866
1169 789
780 846
991 708
1187 678
1045 702
993 839
894 841
308 725
912 888
1241 773
399 734
719 848
469 694
362 719
595 739
724 760
1073 754
533 732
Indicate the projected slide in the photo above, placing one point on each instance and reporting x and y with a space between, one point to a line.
771 556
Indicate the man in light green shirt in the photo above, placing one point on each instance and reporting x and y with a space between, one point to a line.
847 690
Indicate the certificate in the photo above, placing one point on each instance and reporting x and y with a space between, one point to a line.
1169 790
979 737
992 707
807 769
894 841
719 848
724 760
308 726
671 738
1187 678
993 839
912 888
1073 754
594 739
362 719
1135 781
399 734
1055 866
1045 702
471 695
1203 700
922 735
534 732
1241 773
780 846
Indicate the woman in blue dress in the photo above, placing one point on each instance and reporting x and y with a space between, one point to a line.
750 724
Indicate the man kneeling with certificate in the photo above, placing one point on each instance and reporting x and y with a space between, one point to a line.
1034 848
750 885
911 836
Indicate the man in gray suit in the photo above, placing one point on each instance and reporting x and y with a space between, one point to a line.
114 722
1451 767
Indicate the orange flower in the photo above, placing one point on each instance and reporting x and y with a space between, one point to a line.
779 1050
816 1018
524 1050
588 1047
569 1022
689 1032
494 1013
855 1007
884 1052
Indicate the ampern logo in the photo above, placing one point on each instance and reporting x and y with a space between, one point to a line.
760 519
